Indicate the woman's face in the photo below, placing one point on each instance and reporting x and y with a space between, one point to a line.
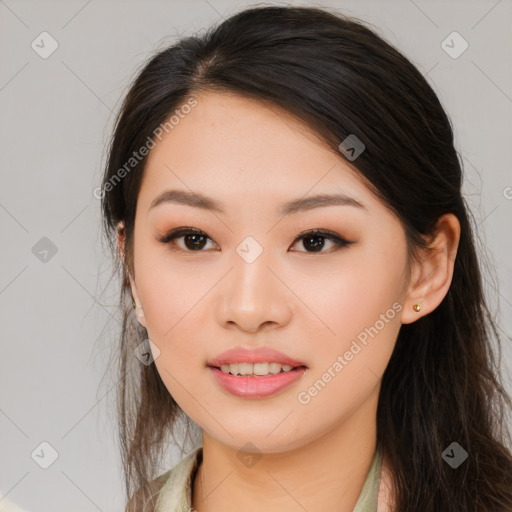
253 282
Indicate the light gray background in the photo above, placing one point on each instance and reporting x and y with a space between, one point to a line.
57 325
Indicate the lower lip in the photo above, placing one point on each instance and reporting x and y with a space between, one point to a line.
257 387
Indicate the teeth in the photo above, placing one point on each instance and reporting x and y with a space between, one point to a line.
255 369
244 368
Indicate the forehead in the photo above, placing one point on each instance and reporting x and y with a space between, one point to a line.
237 148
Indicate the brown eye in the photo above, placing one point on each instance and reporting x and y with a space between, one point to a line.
315 240
194 240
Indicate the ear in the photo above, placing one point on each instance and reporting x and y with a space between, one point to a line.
121 248
432 272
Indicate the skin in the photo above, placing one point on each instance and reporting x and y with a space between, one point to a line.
252 158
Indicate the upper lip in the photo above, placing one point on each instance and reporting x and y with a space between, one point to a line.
256 355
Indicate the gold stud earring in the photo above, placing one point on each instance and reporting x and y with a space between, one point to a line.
417 307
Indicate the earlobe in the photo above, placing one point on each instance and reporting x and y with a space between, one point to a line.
139 312
120 239
433 271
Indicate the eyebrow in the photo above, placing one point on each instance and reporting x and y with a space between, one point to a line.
199 200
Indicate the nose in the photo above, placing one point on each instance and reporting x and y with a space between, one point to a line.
253 296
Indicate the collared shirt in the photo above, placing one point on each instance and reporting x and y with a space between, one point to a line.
176 493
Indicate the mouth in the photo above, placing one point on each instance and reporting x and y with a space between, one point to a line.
257 370
256 381
257 373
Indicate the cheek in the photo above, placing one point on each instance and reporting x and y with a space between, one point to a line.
181 362
352 298
171 295
359 307
174 313
349 363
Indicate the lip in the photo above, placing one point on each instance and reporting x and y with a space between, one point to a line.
245 386
256 355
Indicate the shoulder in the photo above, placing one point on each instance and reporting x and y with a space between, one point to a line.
175 480
9 506
145 499
176 492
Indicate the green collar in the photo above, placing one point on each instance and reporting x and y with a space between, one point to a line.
367 501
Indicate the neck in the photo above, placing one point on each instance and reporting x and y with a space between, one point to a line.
336 463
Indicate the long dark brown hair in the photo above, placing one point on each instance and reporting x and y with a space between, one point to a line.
333 72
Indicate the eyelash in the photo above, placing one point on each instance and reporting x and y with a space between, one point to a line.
323 233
